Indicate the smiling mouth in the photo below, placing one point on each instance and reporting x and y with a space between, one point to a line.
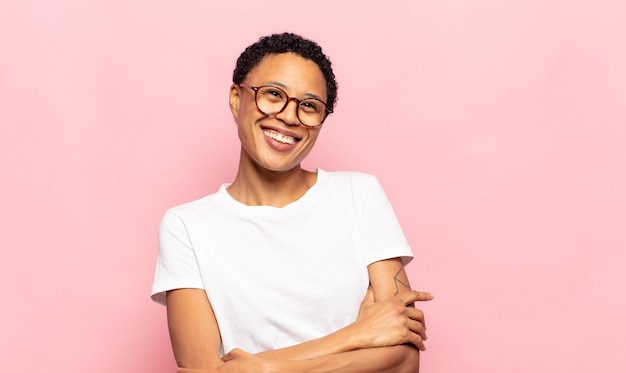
280 138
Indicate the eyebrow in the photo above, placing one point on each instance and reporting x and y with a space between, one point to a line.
281 85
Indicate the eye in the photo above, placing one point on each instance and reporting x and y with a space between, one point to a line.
311 106
272 93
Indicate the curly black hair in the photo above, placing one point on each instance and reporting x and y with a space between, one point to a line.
284 43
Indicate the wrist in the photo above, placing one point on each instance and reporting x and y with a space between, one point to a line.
352 338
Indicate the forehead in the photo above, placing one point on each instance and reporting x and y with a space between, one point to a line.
290 70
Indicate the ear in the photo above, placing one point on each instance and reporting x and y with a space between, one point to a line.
234 99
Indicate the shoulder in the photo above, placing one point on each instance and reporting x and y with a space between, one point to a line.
353 187
193 209
350 178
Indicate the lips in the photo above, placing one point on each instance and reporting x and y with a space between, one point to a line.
281 137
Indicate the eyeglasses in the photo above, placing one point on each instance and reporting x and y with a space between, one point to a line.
272 100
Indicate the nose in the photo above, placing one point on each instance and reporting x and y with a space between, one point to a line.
289 114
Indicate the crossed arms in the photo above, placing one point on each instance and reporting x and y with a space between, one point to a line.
386 337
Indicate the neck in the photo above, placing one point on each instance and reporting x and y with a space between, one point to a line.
256 186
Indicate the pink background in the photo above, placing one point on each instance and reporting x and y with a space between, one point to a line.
496 127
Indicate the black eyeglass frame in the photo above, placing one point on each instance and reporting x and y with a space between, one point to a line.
289 99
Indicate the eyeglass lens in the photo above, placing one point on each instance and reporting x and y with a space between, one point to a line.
273 100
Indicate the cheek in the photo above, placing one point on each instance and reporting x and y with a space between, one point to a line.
245 128
246 118
312 139
315 133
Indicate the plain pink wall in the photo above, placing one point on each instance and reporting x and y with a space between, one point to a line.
496 127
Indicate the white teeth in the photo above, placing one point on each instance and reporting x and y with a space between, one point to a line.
280 138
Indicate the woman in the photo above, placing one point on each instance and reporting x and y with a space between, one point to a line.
285 269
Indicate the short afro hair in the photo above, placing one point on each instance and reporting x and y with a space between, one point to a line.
285 43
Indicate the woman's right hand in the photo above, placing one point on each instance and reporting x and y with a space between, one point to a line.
391 322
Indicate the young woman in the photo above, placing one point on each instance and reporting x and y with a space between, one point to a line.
284 269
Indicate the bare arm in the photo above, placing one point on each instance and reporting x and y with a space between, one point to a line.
391 289
389 279
379 324
196 339
372 360
194 332
195 335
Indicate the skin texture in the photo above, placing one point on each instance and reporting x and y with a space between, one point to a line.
382 339
262 168
388 332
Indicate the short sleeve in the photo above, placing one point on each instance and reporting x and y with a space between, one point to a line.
383 235
176 265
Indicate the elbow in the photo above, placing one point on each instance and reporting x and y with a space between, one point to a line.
410 362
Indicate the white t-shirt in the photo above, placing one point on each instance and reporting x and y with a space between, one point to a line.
276 277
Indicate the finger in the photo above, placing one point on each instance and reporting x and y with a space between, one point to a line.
416 314
408 297
417 341
418 328
423 296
